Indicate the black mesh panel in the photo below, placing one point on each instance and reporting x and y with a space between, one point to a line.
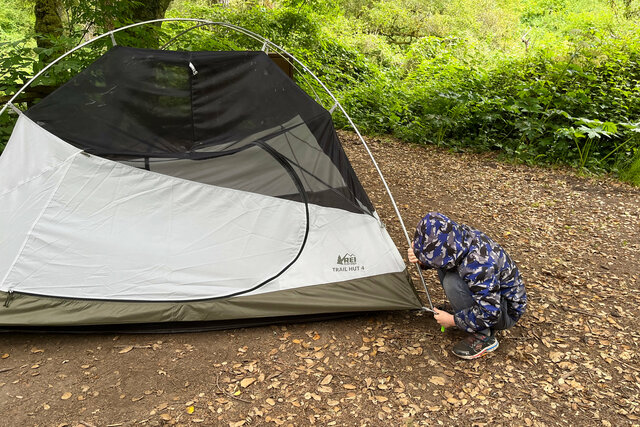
149 107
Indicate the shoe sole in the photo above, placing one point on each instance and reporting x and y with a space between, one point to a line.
482 353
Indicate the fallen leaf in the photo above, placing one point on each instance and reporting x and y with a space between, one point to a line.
190 410
437 380
66 396
247 382
326 380
36 350
556 356
567 365
127 349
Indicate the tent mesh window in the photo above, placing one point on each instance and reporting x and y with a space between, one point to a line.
229 119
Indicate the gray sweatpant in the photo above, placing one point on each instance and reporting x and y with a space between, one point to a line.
459 295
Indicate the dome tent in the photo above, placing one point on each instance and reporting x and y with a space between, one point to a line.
169 187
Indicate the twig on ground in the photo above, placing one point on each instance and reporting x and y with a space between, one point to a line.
133 346
226 393
575 310
625 364
390 361
568 374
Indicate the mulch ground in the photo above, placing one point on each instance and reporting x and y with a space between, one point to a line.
573 359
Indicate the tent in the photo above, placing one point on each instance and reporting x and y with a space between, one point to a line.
186 188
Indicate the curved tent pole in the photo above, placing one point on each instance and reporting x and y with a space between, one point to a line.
182 33
266 42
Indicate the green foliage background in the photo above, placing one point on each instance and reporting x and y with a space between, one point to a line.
541 81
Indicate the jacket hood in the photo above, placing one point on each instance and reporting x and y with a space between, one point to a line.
440 242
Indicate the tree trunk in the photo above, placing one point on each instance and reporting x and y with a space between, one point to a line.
48 23
150 9
144 36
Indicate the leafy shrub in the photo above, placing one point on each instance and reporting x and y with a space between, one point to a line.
544 81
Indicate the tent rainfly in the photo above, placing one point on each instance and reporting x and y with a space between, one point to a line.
176 188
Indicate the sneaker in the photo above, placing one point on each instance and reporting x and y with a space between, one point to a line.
475 345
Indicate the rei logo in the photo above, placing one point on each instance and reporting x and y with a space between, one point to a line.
347 259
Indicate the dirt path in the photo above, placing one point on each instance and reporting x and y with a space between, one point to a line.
573 359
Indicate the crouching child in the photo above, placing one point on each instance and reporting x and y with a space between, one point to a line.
480 280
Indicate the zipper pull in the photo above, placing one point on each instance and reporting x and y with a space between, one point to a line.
9 299
193 69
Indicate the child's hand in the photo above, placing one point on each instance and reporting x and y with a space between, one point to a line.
411 255
444 319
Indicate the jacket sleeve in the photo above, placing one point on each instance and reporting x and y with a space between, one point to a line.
482 279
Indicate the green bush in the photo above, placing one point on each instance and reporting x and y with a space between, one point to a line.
542 81
631 172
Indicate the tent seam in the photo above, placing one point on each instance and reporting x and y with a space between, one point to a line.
35 222
48 169
44 171
193 125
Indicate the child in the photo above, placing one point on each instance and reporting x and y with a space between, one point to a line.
479 278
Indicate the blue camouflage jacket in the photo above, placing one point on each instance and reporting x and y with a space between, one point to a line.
491 274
